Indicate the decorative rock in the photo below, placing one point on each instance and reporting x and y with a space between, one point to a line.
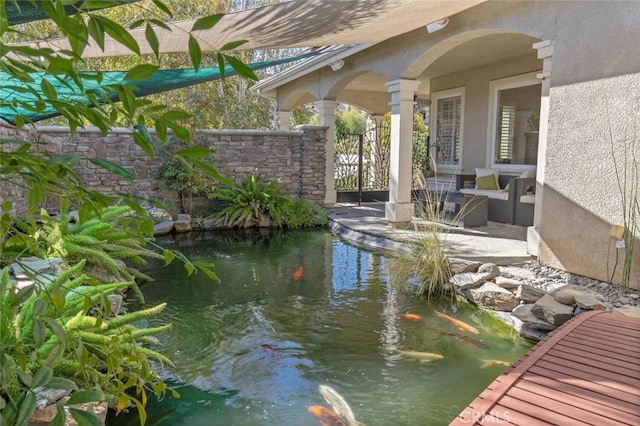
566 296
490 270
508 283
163 228
209 224
532 333
467 280
29 266
548 309
492 296
182 226
524 313
529 294
589 301
185 217
459 266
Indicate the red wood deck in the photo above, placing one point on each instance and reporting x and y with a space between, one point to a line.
587 372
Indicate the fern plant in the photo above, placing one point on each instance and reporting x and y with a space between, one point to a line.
250 203
57 335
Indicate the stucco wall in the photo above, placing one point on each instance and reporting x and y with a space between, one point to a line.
296 157
594 111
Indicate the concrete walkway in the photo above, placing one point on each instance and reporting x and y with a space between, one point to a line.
366 225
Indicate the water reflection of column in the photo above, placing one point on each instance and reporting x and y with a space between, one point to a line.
390 336
328 263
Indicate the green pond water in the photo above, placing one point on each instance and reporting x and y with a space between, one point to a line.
253 349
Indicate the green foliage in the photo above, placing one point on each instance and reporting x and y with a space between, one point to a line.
350 122
301 213
425 259
255 203
178 175
250 203
57 335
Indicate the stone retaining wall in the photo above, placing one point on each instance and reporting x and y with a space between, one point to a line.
296 157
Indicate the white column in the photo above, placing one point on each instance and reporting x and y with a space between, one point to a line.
284 120
399 208
327 111
545 52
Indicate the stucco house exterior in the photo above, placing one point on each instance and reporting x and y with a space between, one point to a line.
548 87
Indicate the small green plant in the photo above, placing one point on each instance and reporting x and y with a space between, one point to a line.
178 175
251 203
301 213
425 259
56 334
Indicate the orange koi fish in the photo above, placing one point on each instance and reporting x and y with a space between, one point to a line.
467 339
325 416
491 362
411 317
297 276
461 325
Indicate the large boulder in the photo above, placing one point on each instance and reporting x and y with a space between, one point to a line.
465 281
492 296
548 309
524 313
163 228
529 294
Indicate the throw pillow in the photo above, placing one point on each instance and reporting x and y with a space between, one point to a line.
528 174
491 172
506 188
486 182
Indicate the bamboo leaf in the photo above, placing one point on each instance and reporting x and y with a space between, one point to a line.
195 53
85 418
96 31
194 152
209 169
141 72
27 408
113 168
169 256
152 39
233 44
84 396
160 5
143 140
240 67
119 33
42 377
207 22
61 383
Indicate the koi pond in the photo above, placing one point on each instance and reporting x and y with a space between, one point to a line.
254 348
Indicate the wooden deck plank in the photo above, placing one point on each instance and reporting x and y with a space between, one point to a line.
585 372
561 400
596 373
600 362
588 383
591 393
628 355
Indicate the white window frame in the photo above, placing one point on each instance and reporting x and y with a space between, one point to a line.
495 86
433 126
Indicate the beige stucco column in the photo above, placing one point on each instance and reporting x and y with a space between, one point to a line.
399 208
284 120
327 111
545 52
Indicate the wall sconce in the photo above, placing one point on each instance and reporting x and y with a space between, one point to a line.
437 25
337 64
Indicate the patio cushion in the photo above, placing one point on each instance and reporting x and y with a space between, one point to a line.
485 172
496 194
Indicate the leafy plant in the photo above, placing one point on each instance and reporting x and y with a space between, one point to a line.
56 334
178 175
251 203
301 213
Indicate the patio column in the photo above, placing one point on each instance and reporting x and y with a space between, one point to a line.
327 111
284 120
400 208
545 52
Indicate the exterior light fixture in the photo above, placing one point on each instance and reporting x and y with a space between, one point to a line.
437 25
337 64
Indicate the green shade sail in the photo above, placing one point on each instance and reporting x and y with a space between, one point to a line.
18 98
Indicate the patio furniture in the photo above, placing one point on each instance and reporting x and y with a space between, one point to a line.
458 209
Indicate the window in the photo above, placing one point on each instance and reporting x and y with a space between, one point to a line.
448 126
516 120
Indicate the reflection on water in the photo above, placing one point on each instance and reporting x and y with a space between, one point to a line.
253 349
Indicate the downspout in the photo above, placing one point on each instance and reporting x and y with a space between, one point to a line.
274 119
